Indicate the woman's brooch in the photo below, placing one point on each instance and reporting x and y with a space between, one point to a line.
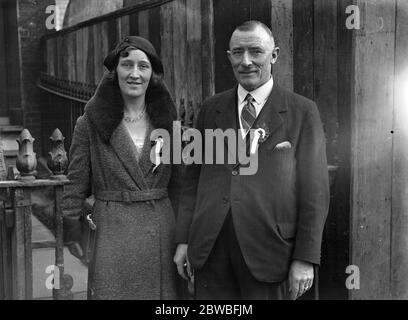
158 145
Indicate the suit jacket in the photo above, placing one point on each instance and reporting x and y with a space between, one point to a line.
280 211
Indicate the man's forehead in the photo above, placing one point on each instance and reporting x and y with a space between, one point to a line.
253 38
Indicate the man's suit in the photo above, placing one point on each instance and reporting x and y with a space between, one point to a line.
279 212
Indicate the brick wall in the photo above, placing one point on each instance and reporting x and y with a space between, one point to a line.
31 17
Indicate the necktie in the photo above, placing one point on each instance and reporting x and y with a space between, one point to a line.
248 114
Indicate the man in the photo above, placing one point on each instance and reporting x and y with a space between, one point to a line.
256 236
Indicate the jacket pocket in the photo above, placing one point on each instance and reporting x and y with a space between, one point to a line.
287 230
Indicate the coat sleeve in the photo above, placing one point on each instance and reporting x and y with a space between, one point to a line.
189 191
79 173
313 188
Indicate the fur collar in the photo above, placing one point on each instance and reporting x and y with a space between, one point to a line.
105 108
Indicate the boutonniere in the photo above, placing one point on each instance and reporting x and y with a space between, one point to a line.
158 146
261 133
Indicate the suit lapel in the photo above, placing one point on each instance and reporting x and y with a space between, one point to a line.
123 146
270 116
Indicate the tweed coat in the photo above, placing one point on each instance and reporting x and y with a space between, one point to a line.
279 212
134 237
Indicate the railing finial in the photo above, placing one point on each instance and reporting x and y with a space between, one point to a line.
57 158
26 162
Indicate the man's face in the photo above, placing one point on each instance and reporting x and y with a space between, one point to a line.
252 54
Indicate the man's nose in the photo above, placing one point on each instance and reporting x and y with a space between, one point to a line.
246 59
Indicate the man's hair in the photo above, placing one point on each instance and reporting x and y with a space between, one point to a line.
251 25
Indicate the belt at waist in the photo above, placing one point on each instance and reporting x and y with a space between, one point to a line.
131 196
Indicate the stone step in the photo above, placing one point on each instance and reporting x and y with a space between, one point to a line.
4 121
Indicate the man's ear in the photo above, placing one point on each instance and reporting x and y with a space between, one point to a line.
275 54
229 55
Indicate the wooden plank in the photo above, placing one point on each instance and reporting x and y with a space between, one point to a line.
60 57
6 249
303 63
224 25
18 250
325 70
194 76
154 28
207 48
335 246
112 34
282 28
85 48
64 56
27 245
79 55
143 21
179 54
372 110
125 27
104 36
134 24
71 55
3 67
118 29
51 56
166 36
98 53
399 262
90 65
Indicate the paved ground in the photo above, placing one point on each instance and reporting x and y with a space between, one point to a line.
42 258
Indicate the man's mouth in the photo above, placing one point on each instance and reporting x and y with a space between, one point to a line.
247 72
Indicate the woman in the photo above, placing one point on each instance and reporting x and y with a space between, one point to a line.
110 158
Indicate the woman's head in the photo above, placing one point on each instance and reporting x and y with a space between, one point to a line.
136 66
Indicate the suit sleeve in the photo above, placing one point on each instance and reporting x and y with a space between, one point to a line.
79 172
189 191
313 188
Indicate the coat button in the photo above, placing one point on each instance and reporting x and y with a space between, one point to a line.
225 199
152 232
235 173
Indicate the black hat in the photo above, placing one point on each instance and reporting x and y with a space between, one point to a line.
139 43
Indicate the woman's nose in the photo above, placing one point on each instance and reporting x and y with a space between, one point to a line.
134 72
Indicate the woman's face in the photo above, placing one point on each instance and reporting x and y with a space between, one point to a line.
134 73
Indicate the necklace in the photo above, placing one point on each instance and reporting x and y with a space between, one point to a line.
136 119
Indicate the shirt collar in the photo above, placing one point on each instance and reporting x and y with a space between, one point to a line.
260 94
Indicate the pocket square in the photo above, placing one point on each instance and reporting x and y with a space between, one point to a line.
283 146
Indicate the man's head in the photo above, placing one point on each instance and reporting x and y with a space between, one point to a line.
252 53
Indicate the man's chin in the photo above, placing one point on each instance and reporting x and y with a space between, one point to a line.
249 85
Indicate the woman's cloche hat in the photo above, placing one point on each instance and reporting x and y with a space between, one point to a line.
137 42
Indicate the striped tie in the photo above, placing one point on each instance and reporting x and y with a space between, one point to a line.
248 114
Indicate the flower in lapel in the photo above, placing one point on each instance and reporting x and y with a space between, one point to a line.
261 133
266 131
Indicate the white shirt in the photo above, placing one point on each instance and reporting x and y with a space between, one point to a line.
260 96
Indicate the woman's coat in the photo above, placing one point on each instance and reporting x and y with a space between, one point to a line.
134 208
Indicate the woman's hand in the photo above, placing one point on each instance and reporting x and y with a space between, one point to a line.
181 260
76 250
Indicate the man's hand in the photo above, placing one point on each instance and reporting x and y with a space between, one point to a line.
181 260
300 278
